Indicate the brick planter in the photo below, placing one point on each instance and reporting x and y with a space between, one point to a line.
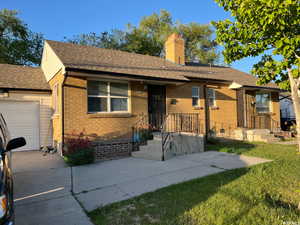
106 150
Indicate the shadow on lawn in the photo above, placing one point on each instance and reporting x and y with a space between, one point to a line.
180 204
229 145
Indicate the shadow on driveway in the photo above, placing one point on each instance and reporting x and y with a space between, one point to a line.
42 186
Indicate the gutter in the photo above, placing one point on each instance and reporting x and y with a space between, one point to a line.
260 87
122 75
26 89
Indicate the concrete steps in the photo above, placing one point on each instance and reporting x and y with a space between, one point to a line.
152 150
261 135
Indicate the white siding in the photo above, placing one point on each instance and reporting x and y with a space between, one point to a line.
44 100
51 64
22 118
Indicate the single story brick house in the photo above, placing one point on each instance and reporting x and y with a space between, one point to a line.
105 93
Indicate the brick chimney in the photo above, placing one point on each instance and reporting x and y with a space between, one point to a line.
174 47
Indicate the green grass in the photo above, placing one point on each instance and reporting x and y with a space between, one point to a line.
260 195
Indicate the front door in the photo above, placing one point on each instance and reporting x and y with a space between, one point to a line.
156 105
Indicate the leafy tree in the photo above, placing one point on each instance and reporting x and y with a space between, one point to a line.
138 41
199 43
112 40
270 28
18 45
150 35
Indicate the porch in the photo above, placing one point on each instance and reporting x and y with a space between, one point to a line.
186 133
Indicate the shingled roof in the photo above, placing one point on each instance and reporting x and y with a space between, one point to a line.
22 77
106 60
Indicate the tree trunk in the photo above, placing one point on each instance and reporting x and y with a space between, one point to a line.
294 83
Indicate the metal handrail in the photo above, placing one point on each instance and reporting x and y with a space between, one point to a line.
165 136
138 130
178 123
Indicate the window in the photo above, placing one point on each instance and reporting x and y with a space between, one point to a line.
55 98
262 102
195 96
107 96
211 96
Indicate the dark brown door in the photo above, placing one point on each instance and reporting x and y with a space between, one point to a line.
156 105
250 109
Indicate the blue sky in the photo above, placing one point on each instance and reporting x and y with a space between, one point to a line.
57 19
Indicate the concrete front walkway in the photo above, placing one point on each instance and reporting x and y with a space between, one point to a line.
42 191
43 184
103 183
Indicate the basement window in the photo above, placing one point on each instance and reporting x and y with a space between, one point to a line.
262 102
107 96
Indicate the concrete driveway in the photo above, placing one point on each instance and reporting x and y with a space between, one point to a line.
42 191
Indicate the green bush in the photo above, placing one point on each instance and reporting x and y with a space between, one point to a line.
81 157
79 151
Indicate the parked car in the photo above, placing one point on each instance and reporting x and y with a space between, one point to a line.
6 176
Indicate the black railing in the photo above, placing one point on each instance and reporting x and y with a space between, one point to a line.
221 129
141 132
165 137
179 123
156 120
183 122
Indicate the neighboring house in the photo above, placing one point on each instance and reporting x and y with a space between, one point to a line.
286 106
288 118
25 102
104 93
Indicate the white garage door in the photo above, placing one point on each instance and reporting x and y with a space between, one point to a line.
22 119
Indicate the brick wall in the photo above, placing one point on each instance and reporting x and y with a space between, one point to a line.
106 150
101 125
225 112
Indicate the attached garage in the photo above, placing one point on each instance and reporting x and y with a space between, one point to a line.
22 119
25 103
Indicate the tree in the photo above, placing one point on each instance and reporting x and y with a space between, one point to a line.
112 40
270 29
18 45
150 35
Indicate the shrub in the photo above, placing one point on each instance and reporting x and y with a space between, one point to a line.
79 151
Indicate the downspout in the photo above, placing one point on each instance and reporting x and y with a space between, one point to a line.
63 111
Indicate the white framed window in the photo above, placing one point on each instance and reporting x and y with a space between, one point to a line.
196 96
262 102
211 96
55 95
105 96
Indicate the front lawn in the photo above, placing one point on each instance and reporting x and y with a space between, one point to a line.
260 195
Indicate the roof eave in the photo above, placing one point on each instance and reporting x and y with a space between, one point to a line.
87 73
25 89
261 87
209 79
